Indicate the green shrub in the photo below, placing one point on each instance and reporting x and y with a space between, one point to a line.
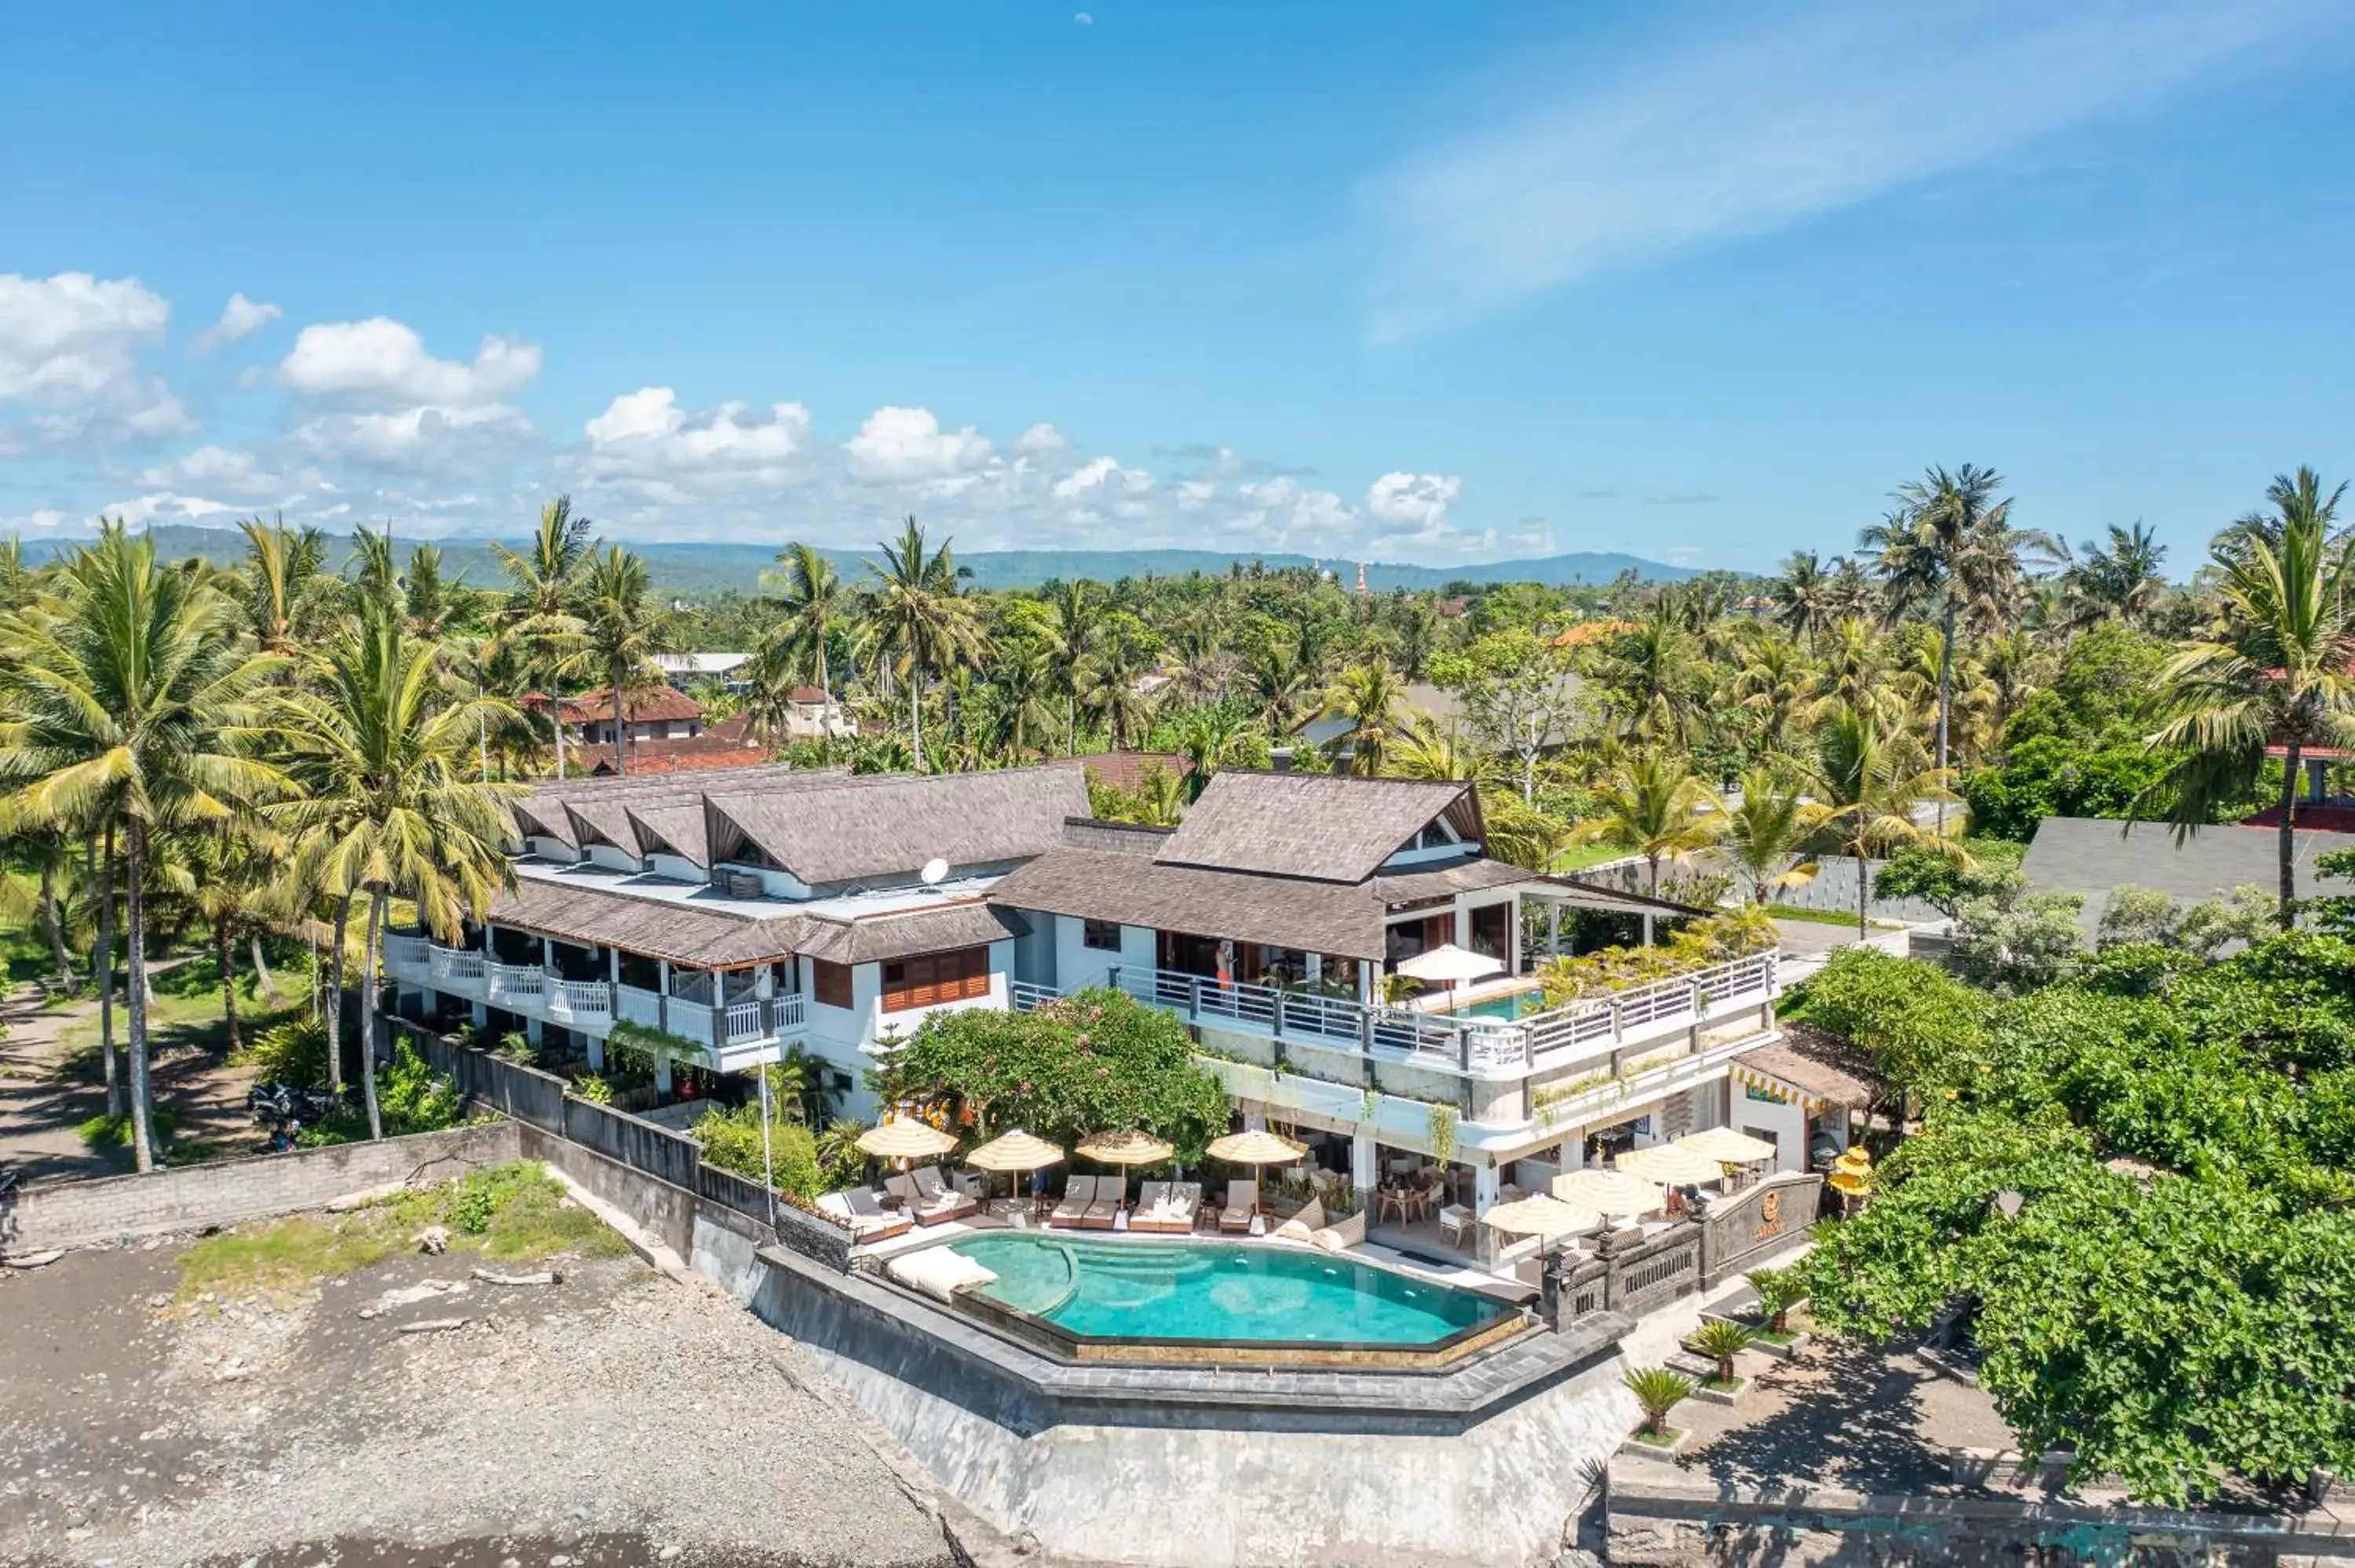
104 1131
1659 1390
731 1141
594 1089
292 1053
1721 1340
514 1047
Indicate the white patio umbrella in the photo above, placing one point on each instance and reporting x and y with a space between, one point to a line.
1668 1163
904 1138
1449 964
1608 1191
1258 1146
1014 1153
1726 1146
1541 1216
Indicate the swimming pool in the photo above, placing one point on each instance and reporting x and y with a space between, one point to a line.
1512 1004
1222 1294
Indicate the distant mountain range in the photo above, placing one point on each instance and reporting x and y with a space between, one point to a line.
705 568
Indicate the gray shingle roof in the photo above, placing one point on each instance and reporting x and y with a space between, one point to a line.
659 928
1329 827
2084 855
675 830
873 826
1288 912
543 809
880 936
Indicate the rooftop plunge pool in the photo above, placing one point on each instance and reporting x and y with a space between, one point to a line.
1223 1302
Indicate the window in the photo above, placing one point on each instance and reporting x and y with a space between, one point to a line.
935 979
1103 936
830 982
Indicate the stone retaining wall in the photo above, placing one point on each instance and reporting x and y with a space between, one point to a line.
1659 1516
82 1211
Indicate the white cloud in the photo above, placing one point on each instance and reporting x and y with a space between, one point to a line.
646 441
418 440
167 507
1102 477
1042 439
381 360
1700 137
239 318
212 467
899 444
72 338
1417 501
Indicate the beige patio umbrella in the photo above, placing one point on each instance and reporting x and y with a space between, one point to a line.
1449 964
904 1138
1015 1152
1726 1146
1259 1147
1608 1191
1125 1149
1667 1163
1541 1216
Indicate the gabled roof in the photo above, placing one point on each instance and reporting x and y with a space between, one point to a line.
645 704
542 810
873 826
659 928
1327 827
1342 919
672 829
702 753
876 937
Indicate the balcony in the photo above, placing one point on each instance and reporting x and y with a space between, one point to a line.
1592 1032
580 1004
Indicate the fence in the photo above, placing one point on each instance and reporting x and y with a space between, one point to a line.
634 1143
1738 1233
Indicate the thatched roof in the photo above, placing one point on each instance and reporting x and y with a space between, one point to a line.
658 928
1287 912
1331 827
1828 1069
1446 881
596 819
671 830
874 826
542 810
1122 838
877 937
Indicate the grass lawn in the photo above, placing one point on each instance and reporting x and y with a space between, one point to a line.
196 1018
1724 1384
1823 917
1667 1439
504 1213
1587 856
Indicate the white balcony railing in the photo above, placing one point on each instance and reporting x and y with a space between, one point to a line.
455 969
516 982
1027 997
580 1001
1484 1046
742 1022
788 1015
408 956
688 1020
642 1008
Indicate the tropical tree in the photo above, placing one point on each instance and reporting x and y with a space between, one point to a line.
2277 672
1368 695
132 707
1078 613
1867 784
1766 831
1208 738
380 746
1802 597
624 626
1653 805
539 616
920 624
2117 577
282 572
812 603
1280 686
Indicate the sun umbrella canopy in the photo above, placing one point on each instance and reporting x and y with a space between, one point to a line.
1667 1163
906 1139
1608 1191
1016 1151
1449 964
1256 1149
1541 1216
1125 1149
1727 1146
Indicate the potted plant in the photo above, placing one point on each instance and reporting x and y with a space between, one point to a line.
1721 1340
1659 1390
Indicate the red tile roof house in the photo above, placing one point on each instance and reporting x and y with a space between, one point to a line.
655 713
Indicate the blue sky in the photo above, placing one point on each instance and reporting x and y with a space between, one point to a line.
1431 283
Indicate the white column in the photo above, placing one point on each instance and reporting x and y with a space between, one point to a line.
1488 1182
1553 927
1365 1171
614 965
1463 937
662 1073
1573 1154
548 955
1313 967
764 982
596 1050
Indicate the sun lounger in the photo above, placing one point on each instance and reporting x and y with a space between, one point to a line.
1072 1210
1241 1207
942 1201
868 1219
926 1210
1167 1208
1100 1214
936 1271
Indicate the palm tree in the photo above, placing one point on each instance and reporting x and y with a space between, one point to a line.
1654 806
2117 578
2277 672
1279 686
920 623
1867 785
1657 677
626 627
1208 738
380 747
812 603
1110 679
132 707
1368 695
1773 683
1765 832
1802 597
284 568
1024 678
539 616
376 577
433 601
1077 612
1423 750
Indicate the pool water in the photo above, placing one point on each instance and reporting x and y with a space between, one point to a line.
1514 1004
1213 1290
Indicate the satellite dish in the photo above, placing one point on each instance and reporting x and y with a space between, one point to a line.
934 869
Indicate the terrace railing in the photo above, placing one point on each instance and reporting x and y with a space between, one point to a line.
516 982
634 1005
580 1001
455 969
408 955
1027 997
1487 1046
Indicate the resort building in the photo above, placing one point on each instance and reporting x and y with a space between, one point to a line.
778 909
